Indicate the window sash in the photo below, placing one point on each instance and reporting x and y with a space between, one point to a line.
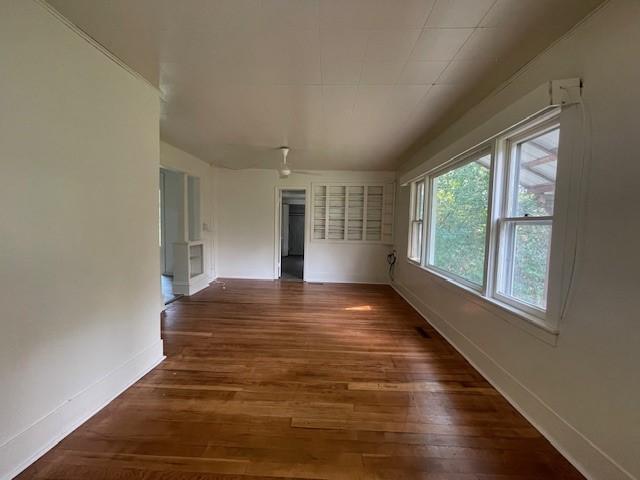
513 151
416 221
506 262
503 250
472 156
416 240
418 213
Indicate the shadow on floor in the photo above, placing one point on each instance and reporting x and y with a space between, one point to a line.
292 268
167 290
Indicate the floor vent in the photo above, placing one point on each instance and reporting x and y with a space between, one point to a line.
315 283
422 332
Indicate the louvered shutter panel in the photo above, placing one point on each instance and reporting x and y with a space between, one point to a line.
355 212
387 212
336 201
319 212
375 194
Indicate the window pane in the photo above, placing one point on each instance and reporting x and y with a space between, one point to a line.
526 265
419 201
459 220
534 185
416 241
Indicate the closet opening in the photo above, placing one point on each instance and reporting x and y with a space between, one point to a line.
292 234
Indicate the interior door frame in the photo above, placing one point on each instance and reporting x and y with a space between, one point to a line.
277 267
163 233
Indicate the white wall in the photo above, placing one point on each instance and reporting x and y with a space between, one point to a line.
79 263
173 158
585 391
245 229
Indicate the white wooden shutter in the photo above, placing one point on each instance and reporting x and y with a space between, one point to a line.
387 212
336 202
375 194
319 212
355 212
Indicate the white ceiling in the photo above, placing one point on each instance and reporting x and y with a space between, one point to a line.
347 84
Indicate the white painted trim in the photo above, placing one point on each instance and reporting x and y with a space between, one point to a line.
321 277
193 286
26 447
95 44
222 278
587 457
277 269
506 312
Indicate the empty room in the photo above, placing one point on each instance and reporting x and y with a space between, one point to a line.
319 239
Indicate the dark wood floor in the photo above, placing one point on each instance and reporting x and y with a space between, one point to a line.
280 379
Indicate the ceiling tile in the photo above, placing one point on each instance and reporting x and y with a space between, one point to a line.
508 12
338 100
439 44
435 103
537 12
341 72
458 13
288 72
204 14
421 73
289 56
465 71
402 13
381 73
343 43
374 13
387 45
489 43
387 101
352 14
289 14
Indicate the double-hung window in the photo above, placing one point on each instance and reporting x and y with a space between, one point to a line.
458 213
526 218
417 220
489 217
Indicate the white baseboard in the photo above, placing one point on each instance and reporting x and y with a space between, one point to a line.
222 277
192 287
321 277
317 277
587 457
27 446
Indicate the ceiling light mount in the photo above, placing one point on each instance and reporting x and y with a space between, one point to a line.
284 169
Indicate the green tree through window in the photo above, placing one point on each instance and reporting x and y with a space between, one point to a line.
460 207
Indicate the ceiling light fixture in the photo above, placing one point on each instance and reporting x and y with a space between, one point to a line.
284 169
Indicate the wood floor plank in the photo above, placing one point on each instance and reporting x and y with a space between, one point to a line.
291 380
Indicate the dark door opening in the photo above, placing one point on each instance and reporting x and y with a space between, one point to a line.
292 235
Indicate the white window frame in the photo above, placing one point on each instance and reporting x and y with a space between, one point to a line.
499 147
428 239
413 220
503 219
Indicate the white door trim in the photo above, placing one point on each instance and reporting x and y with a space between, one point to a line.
277 271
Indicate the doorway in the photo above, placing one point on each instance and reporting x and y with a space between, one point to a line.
169 213
292 239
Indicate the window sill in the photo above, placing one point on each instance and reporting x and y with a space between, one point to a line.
529 323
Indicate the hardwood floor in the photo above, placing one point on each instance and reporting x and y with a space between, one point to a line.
289 380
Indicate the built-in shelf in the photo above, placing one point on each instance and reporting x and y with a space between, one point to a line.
353 212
